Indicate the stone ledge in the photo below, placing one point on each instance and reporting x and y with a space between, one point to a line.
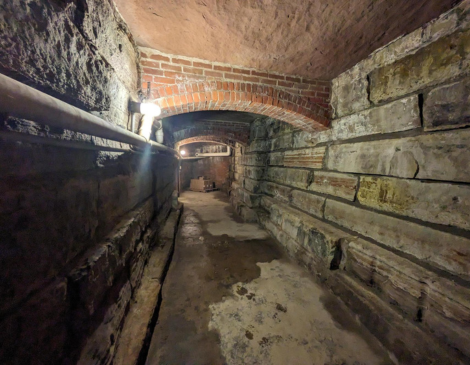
441 305
409 343
142 307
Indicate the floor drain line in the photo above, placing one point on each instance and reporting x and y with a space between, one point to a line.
153 322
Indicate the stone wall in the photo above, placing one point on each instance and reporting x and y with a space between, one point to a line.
76 224
378 206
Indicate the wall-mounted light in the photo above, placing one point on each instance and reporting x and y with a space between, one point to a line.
150 109
183 152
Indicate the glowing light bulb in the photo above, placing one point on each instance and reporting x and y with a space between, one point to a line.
183 152
150 109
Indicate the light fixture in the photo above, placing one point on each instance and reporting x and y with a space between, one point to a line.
183 152
150 109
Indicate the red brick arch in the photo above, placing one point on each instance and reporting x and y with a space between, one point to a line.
209 138
271 101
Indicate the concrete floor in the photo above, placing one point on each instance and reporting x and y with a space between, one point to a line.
231 296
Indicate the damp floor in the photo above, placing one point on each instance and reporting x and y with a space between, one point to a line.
231 296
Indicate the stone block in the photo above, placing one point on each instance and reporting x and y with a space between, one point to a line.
308 202
100 346
258 130
311 158
97 271
440 203
407 157
319 238
119 194
251 200
252 186
448 106
403 283
332 183
407 341
282 142
279 192
247 214
436 248
259 145
350 92
45 223
255 173
298 178
431 65
40 322
276 159
255 160
400 115
304 139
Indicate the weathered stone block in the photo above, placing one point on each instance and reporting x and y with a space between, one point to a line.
407 157
282 142
448 106
310 203
258 130
259 145
254 160
251 200
315 236
255 173
412 344
439 203
403 283
99 348
397 116
437 248
312 158
342 185
252 185
304 139
431 65
293 177
279 192
97 271
349 92
276 159
45 313
119 194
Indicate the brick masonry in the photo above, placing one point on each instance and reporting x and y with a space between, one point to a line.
181 85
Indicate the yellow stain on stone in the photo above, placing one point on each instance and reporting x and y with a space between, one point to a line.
384 194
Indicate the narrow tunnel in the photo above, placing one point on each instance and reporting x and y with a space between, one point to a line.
264 194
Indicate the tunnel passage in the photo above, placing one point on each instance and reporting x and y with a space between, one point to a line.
345 183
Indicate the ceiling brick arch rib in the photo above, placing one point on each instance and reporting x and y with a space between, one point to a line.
245 97
210 139
181 85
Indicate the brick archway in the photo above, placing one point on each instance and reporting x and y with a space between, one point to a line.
209 138
240 96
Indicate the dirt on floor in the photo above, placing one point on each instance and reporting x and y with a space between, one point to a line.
231 296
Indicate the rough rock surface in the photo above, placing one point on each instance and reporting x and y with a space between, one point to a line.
311 39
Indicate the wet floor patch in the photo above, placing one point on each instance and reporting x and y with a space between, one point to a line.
229 299
203 271
279 318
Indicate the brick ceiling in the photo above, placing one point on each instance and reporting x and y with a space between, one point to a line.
315 39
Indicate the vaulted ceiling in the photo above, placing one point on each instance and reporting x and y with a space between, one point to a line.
316 39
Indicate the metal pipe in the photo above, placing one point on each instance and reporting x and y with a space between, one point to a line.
214 154
29 138
22 101
133 122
